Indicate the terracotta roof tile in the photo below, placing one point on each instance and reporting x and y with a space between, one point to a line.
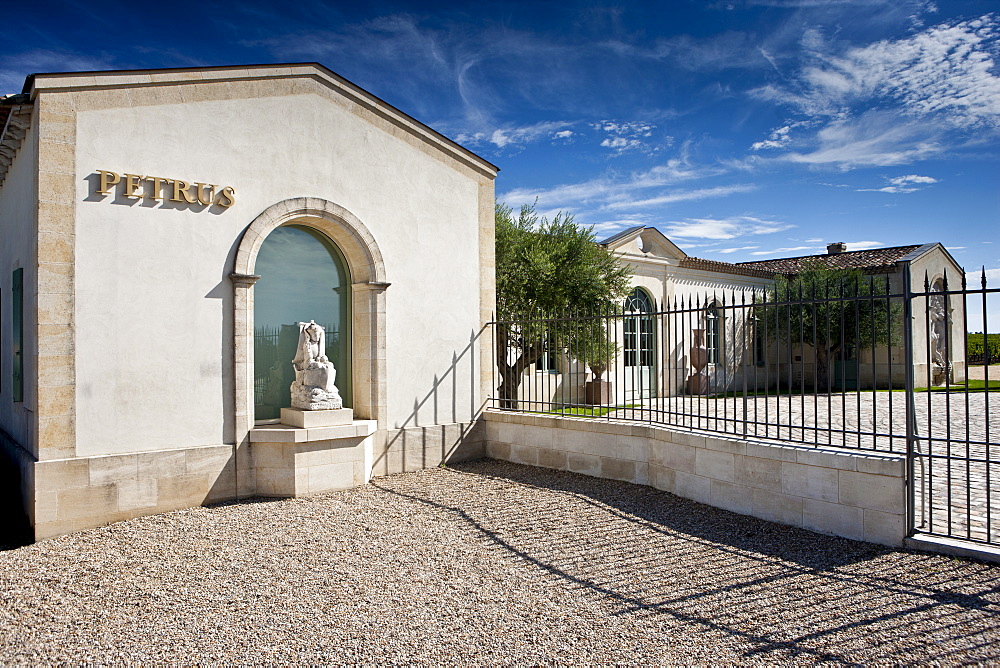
873 260
723 267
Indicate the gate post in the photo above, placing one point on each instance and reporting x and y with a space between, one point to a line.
911 406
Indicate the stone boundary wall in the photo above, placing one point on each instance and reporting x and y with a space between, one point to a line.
417 448
84 492
849 493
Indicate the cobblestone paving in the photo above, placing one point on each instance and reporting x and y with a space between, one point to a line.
486 563
958 463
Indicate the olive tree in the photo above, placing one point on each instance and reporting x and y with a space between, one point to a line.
550 274
831 310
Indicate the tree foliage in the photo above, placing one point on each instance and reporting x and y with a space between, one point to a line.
831 310
550 273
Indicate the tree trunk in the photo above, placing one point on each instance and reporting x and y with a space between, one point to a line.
511 373
823 356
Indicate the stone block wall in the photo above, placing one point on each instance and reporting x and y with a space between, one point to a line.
67 495
417 448
79 493
855 494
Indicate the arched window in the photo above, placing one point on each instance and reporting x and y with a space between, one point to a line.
759 340
640 333
303 277
712 339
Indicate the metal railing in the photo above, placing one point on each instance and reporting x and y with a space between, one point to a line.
875 365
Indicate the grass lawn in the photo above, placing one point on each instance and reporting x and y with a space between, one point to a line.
972 385
586 411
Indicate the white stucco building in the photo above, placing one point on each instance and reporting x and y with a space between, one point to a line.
668 279
681 293
162 229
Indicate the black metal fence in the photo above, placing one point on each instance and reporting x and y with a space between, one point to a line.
870 364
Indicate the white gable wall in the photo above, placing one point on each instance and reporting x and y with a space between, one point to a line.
154 304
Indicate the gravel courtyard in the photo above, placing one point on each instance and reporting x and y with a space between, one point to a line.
486 562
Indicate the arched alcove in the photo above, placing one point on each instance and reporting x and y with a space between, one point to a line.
367 285
282 299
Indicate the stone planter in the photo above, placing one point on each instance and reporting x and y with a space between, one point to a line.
598 392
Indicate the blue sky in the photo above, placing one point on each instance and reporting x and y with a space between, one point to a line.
742 129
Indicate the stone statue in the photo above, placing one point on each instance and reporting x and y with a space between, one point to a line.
941 369
314 388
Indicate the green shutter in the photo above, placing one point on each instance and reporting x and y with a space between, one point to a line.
17 333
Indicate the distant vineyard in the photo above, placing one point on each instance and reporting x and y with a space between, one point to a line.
983 348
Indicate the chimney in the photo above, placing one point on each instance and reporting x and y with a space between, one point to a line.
834 248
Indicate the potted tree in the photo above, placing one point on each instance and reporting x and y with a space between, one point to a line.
600 353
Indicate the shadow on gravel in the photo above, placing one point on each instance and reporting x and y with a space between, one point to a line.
778 592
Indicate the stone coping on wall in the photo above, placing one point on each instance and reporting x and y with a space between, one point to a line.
280 433
851 493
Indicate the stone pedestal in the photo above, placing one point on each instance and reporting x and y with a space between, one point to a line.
296 461
294 417
697 383
598 393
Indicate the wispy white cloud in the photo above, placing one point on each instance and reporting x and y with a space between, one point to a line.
777 139
787 249
731 50
946 71
876 138
608 189
818 249
680 196
628 136
891 102
609 227
976 276
903 184
723 228
463 77
516 136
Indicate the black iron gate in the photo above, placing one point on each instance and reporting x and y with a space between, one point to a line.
952 427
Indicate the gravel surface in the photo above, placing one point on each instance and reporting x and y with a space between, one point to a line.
486 562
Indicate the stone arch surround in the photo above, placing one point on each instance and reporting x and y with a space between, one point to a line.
368 284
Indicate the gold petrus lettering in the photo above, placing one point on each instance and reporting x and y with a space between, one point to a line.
181 191
135 186
108 179
132 185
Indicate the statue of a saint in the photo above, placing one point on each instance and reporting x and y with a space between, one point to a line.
941 367
314 387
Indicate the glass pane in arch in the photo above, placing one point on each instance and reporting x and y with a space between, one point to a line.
303 277
712 341
640 335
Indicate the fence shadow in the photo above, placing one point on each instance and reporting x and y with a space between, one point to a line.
774 592
420 438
